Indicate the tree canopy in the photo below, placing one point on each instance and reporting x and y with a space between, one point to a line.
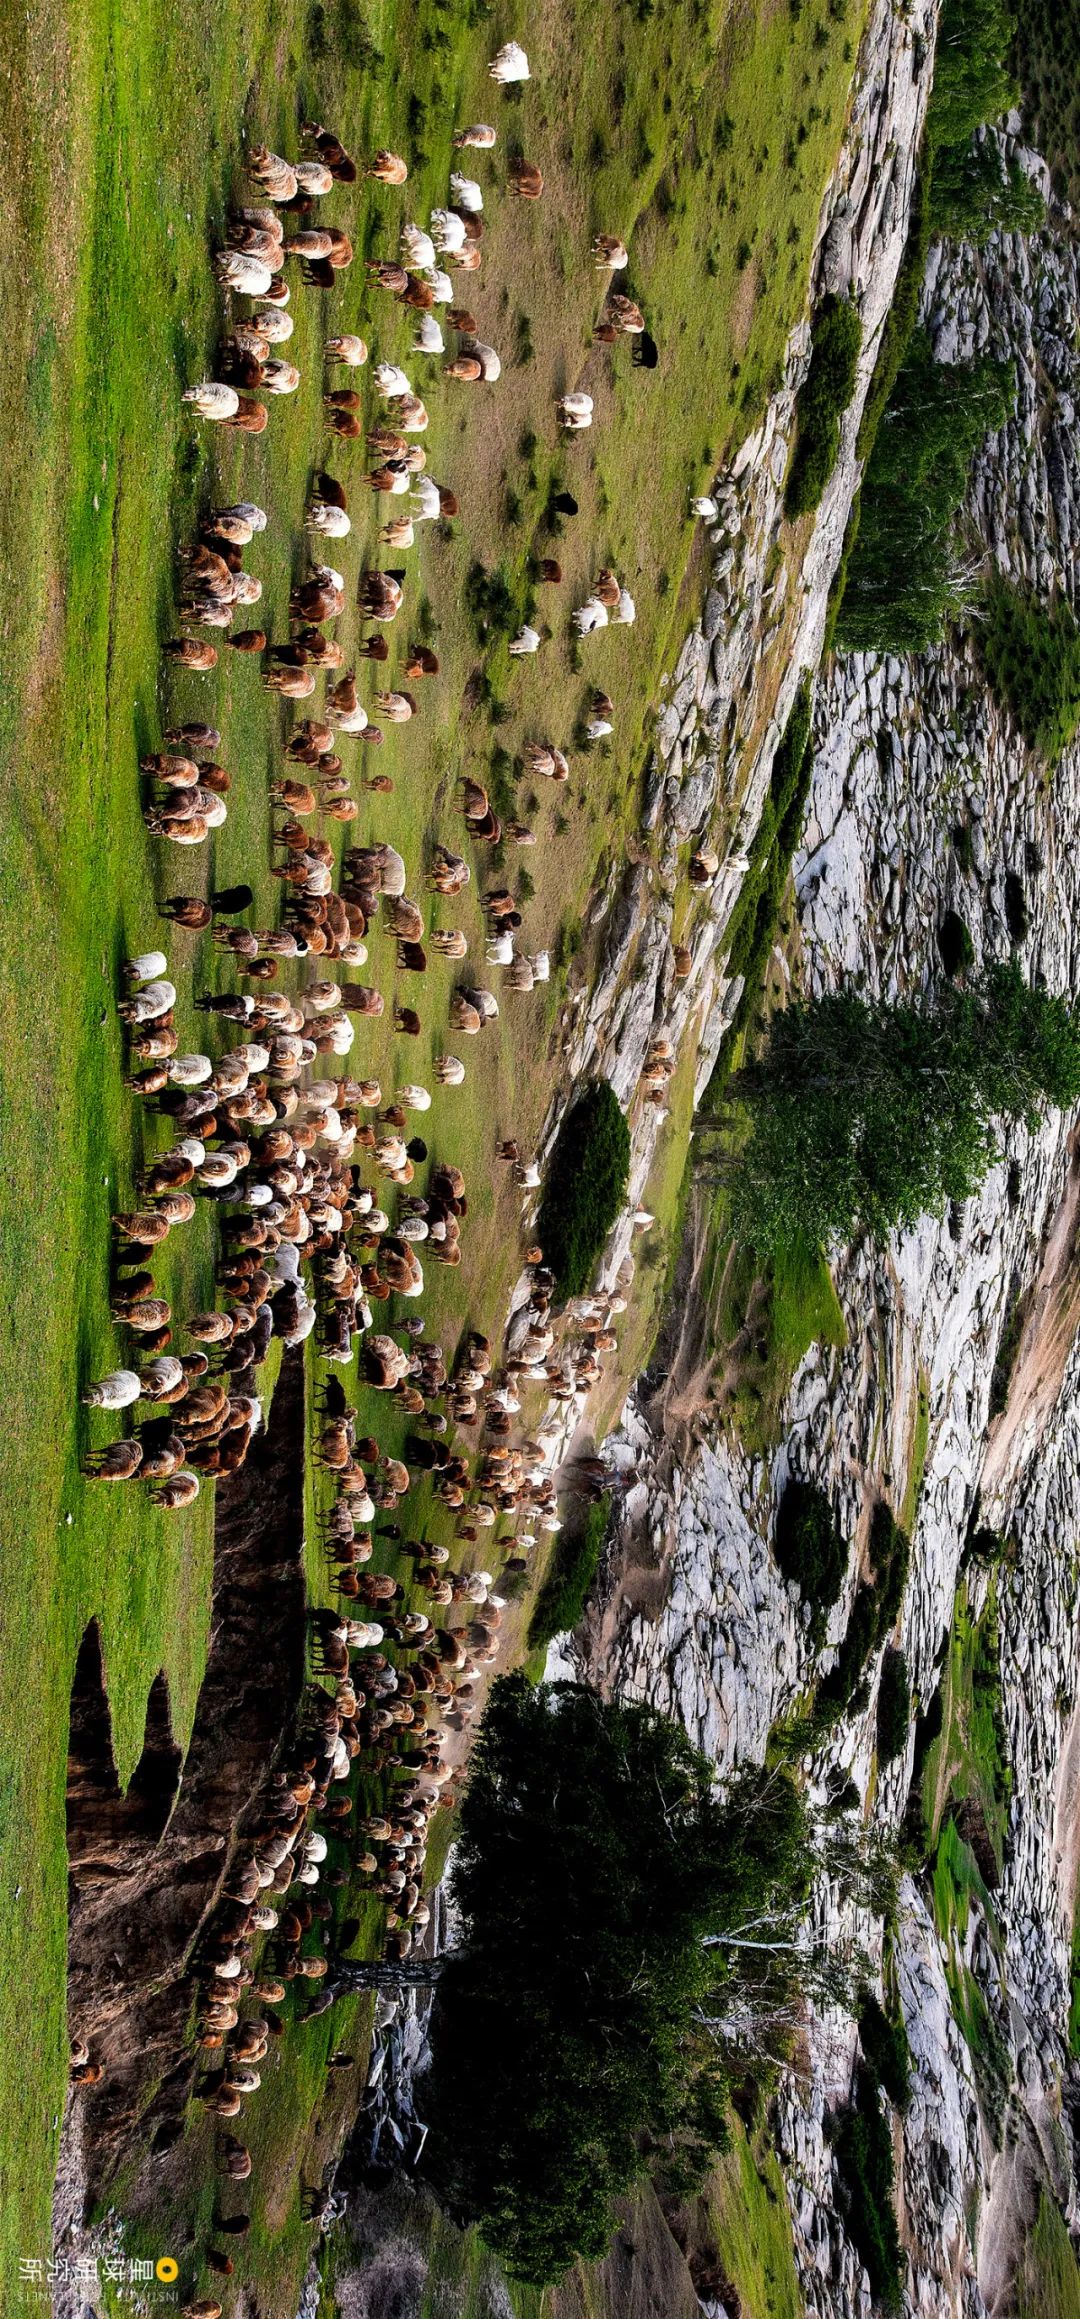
585 1187
621 1928
865 1116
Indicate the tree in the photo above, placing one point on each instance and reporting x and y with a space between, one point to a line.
626 1934
585 1187
864 1117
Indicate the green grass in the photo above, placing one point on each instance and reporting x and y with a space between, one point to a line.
919 1450
1048 2286
750 2222
773 1318
123 132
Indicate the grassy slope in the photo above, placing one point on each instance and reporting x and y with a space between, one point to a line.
123 129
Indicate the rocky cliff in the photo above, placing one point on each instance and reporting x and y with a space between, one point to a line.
958 1389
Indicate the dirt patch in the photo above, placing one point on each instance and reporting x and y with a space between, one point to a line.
644 2276
1046 1342
147 1866
743 305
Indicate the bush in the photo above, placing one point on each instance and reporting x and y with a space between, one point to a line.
977 193
810 1550
823 397
585 1187
565 1590
752 925
864 1118
874 1612
1032 657
905 580
596 1874
864 2162
955 944
886 2050
893 1708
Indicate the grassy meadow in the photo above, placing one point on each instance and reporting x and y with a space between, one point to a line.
704 133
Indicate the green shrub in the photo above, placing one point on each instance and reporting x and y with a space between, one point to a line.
893 1708
1032 657
977 193
864 2162
565 1590
810 1550
886 2050
905 580
863 1118
955 945
823 398
874 1612
585 1187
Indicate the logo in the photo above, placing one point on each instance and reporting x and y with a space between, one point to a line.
168 2269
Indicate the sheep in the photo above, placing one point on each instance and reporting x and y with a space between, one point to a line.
279 378
465 193
235 270
625 316
611 255
347 347
313 177
119 1462
417 248
526 641
705 507
116 1391
331 522
490 363
212 400
450 942
447 232
439 283
149 965
625 612
187 652
390 380
278 177
589 616
480 134
526 180
574 411
510 64
388 168
429 338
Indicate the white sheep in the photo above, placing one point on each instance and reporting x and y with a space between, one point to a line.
116 1391
597 728
511 64
245 511
625 612
480 134
704 507
449 1070
190 1070
279 378
417 248
236 270
390 380
590 615
440 284
466 193
149 965
413 1097
212 400
331 522
447 232
575 410
426 503
526 641
429 338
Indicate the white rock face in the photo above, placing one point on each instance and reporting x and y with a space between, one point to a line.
904 751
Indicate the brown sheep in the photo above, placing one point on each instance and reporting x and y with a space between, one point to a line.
388 168
525 179
119 1462
187 910
188 653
